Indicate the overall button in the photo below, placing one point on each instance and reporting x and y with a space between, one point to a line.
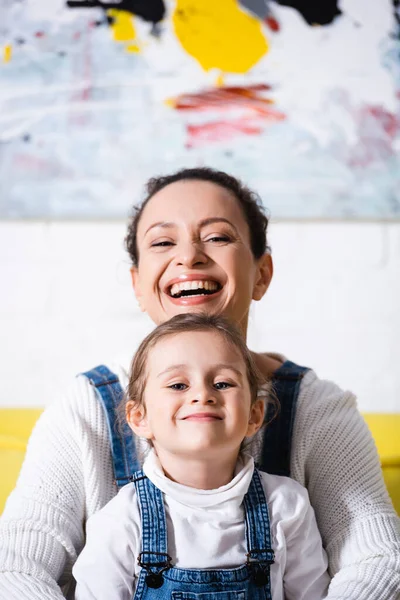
260 577
154 580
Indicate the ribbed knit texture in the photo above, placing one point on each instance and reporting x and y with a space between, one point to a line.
67 476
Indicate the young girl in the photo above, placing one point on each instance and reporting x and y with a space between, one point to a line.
200 522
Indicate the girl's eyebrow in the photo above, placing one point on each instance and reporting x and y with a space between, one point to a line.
229 367
203 223
171 368
217 367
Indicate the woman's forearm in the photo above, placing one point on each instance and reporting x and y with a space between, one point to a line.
334 455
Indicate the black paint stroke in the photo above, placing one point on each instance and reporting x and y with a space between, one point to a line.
149 10
315 12
396 7
259 8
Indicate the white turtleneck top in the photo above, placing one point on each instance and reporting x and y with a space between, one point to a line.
206 530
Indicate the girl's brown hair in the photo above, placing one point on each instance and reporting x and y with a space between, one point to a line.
186 323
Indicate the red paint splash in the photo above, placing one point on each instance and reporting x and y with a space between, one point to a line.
29 163
82 73
273 24
254 108
226 98
377 129
218 131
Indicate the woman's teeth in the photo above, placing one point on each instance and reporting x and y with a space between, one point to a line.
191 288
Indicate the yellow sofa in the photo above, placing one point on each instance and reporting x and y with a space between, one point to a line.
16 425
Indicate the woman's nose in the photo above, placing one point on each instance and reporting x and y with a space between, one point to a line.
190 254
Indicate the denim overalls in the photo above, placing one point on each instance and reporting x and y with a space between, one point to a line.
159 579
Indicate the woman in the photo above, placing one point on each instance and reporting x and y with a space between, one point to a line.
198 243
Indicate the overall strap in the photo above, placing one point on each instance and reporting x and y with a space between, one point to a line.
277 442
260 555
154 556
110 394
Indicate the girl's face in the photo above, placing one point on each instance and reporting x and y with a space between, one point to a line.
197 398
195 255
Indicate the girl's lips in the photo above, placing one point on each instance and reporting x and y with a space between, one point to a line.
202 417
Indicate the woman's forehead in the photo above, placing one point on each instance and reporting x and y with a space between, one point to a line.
191 201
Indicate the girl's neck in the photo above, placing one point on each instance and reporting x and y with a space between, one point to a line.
199 473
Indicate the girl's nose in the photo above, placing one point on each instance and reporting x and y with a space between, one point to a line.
204 396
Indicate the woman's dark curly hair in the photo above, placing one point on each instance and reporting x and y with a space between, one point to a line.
249 201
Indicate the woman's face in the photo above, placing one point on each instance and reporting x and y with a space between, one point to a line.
195 255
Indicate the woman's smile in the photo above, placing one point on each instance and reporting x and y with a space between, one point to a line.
193 289
194 251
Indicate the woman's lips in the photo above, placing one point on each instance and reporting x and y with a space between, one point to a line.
194 300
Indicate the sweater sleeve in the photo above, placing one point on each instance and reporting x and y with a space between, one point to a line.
66 476
334 456
107 566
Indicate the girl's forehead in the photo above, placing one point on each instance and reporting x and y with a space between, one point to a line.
197 346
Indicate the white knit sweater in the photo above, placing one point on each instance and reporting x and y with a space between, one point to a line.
205 530
67 476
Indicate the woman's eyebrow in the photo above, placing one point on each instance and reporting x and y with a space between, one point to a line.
160 224
203 223
213 220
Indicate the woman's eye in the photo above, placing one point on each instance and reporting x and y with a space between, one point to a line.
219 238
179 387
222 385
162 244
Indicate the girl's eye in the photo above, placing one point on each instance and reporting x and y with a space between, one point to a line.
222 385
179 387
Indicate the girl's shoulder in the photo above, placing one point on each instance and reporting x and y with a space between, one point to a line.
286 498
121 511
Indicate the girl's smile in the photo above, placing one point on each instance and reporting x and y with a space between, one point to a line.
197 400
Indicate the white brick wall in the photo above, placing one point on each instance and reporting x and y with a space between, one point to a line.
66 304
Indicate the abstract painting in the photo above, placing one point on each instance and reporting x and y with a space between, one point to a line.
300 99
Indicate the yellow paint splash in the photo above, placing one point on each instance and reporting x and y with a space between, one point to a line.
170 102
219 34
132 48
7 53
123 28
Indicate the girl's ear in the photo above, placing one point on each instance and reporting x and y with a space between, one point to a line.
136 418
256 417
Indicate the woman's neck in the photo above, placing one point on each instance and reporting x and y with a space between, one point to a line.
199 473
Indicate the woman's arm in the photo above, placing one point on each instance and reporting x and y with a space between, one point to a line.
334 456
107 566
66 476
